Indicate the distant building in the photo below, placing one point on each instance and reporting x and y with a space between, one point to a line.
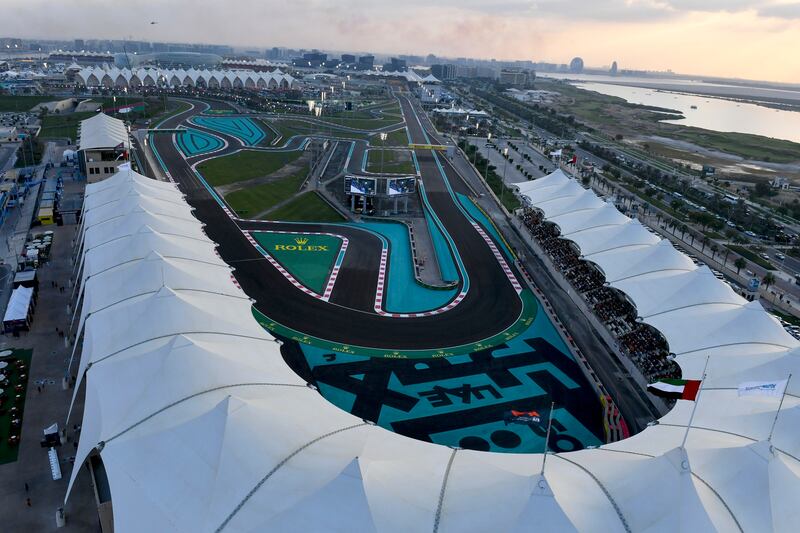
395 65
315 59
514 77
79 57
348 58
366 62
256 65
780 183
103 145
444 72
576 65
8 134
613 69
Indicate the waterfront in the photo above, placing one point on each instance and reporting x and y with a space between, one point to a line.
710 113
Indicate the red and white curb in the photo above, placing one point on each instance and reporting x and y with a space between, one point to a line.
500 259
381 289
286 274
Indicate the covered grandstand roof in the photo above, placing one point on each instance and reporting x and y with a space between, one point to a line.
116 77
102 131
202 426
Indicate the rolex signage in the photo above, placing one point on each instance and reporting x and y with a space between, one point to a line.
301 244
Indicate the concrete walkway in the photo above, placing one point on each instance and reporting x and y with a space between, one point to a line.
45 408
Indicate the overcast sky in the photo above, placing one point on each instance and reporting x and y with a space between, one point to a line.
757 39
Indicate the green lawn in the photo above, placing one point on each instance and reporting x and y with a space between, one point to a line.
752 256
244 165
23 103
394 138
394 161
253 200
308 207
746 145
59 126
8 453
174 107
362 123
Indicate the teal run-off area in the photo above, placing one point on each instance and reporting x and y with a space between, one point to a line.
192 142
404 294
244 129
496 399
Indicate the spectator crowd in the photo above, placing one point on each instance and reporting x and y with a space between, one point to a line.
643 344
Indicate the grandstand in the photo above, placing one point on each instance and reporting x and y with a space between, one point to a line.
201 426
115 78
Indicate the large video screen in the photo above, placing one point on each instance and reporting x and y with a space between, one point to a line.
359 185
397 186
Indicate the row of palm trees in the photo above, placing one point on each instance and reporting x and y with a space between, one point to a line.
676 226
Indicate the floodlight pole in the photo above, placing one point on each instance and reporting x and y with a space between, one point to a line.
775 420
696 401
503 183
547 435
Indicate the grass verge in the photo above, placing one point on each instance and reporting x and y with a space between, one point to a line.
394 161
244 165
308 207
60 126
752 256
253 200
8 452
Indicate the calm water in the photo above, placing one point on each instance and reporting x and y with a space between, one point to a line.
710 113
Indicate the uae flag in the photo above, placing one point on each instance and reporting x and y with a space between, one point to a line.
680 389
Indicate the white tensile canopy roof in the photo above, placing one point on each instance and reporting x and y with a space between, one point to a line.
112 76
102 131
201 425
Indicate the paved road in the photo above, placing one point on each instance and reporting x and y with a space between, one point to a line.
491 304
635 407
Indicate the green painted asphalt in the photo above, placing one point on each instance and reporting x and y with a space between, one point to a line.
308 257
530 308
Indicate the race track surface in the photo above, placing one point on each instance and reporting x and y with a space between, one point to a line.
491 304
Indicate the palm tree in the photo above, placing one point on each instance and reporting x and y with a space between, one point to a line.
704 243
768 279
684 229
725 259
714 250
740 263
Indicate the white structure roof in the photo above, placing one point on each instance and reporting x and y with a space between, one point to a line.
203 427
102 131
18 304
147 76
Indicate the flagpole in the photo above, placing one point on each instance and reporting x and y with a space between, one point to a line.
775 420
547 436
696 401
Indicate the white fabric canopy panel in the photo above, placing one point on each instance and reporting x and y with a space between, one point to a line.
203 427
612 238
103 131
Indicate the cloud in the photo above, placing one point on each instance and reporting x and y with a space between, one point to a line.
782 11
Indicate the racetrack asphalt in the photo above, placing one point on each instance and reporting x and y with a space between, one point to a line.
490 305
